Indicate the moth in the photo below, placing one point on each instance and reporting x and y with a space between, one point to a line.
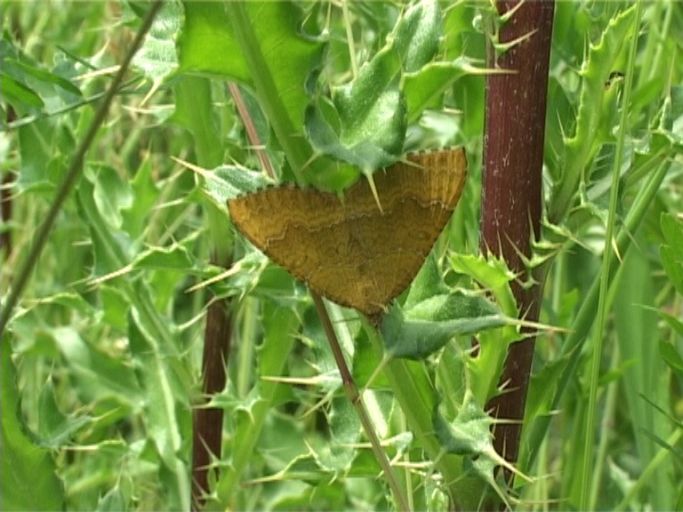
361 250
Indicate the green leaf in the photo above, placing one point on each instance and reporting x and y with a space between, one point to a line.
673 232
673 322
111 248
490 272
337 454
157 55
29 480
451 376
416 37
114 501
368 99
671 357
376 143
207 44
70 303
542 389
175 257
469 434
367 127
144 195
30 87
111 195
54 428
423 88
39 154
18 94
672 121
280 324
165 400
645 374
672 262
365 362
160 404
426 327
427 283
115 307
494 276
672 253
99 375
195 110
228 181
269 54
42 77
581 148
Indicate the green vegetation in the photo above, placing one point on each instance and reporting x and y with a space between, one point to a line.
101 360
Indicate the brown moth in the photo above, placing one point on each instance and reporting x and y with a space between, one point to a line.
350 250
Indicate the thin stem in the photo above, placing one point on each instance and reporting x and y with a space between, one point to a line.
607 420
417 400
266 90
605 277
72 174
356 399
249 126
125 89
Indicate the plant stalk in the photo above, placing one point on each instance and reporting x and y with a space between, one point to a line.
207 422
511 192
265 88
356 399
207 428
599 333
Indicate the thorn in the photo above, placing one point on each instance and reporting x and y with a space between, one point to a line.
615 248
155 86
310 160
223 275
371 182
111 275
503 47
194 168
509 14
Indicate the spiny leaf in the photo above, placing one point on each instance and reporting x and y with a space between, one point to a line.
368 122
427 326
469 435
582 146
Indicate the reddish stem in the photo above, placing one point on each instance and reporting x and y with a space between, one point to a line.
208 421
511 192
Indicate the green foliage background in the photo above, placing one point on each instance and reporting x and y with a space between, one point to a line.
100 367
